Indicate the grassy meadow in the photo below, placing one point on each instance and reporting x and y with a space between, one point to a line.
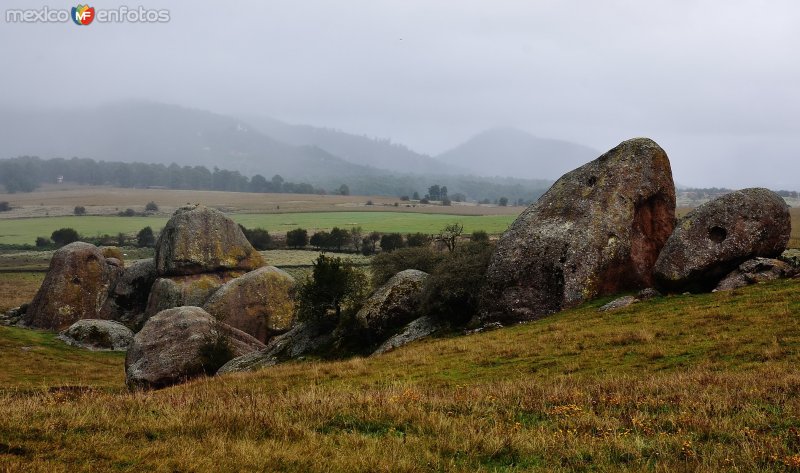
25 230
685 383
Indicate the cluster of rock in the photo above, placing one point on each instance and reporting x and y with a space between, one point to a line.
205 279
609 227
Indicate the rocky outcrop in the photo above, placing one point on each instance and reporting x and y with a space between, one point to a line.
303 339
418 329
192 290
198 239
715 238
754 271
75 288
597 231
260 302
128 298
393 305
182 343
95 334
619 303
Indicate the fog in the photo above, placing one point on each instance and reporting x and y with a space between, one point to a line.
716 83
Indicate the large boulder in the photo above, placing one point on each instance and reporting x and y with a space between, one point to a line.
716 237
182 343
260 302
76 287
393 305
95 334
176 291
128 298
597 231
755 271
199 239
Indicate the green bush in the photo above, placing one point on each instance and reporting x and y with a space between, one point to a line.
417 239
452 290
5 206
386 265
151 207
43 242
258 237
145 238
391 242
215 351
297 238
64 236
79 210
335 286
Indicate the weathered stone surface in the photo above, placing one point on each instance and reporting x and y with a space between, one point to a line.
128 298
648 293
418 329
716 237
113 252
95 334
260 302
303 339
192 290
170 347
76 287
13 316
597 231
754 271
393 305
619 303
198 239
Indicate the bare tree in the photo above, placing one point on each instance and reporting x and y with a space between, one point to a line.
449 235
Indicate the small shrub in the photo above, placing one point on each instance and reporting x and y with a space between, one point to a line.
64 236
369 202
453 289
215 351
502 202
479 236
43 242
446 202
404 198
386 265
5 206
335 286
145 238
425 201
391 242
258 237
151 207
79 210
127 213
417 240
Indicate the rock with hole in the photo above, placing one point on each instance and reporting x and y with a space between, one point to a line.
716 237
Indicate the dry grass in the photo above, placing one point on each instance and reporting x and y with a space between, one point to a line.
59 200
18 288
690 383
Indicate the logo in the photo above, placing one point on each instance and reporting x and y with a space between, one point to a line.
82 14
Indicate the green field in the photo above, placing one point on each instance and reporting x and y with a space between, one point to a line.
25 230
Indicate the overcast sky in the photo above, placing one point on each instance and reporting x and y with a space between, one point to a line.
716 83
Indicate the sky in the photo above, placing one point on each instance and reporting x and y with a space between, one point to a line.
715 83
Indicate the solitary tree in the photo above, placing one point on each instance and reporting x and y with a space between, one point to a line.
79 210
64 236
297 238
450 234
502 202
344 190
145 238
391 242
151 207
335 284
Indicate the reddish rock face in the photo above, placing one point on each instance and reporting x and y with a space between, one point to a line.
715 238
198 239
75 288
597 231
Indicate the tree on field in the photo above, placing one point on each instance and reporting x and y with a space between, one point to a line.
391 242
450 234
479 236
417 239
297 238
145 238
415 196
79 210
4 206
343 190
258 237
320 240
64 236
335 285
151 207
356 237
337 238
42 242
502 201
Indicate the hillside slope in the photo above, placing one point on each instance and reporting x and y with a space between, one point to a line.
160 133
362 150
513 152
686 383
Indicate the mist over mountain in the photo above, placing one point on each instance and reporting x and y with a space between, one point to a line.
159 133
357 149
513 152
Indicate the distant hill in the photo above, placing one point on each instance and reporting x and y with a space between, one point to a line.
357 149
513 152
159 133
